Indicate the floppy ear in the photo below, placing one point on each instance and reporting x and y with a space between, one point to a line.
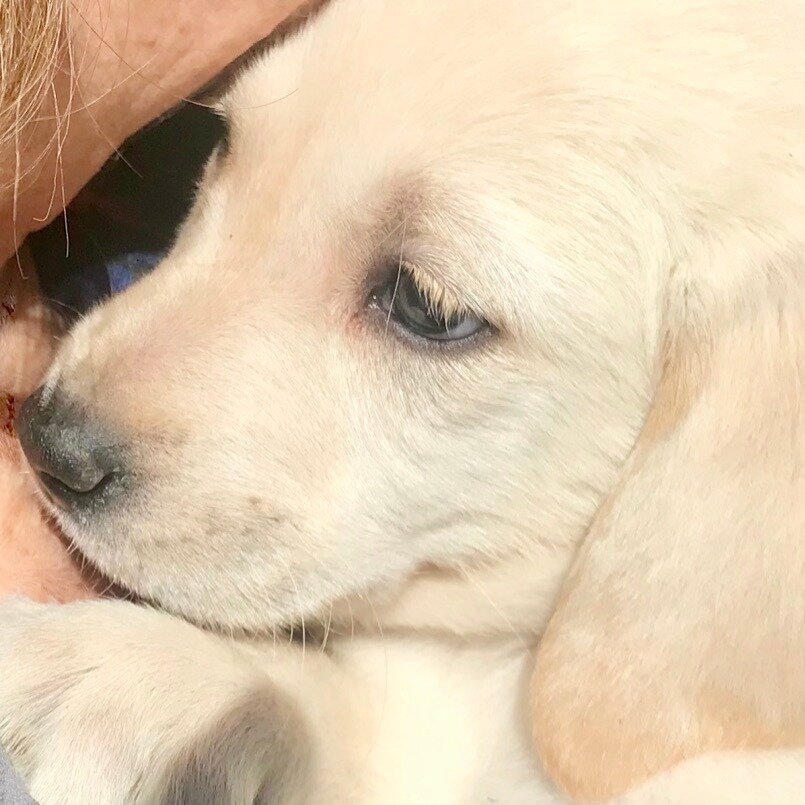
681 628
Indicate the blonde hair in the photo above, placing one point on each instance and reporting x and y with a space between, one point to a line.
32 35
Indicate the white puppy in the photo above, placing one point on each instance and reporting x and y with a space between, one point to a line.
455 284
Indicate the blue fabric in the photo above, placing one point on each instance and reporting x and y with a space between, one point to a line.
12 790
126 269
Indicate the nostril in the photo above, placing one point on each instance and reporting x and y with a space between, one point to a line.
73 457
73 461
60 488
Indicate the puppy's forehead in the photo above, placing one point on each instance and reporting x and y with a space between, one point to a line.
388 85
377 124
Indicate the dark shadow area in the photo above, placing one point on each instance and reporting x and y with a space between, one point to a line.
125 219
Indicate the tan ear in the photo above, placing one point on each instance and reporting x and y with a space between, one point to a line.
681 628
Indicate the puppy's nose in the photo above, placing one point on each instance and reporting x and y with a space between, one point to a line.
74 459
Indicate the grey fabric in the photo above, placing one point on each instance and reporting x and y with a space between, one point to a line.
12 791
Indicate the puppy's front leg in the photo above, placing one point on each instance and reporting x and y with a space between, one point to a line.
108 702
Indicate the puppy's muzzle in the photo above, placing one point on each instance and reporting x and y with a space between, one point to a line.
76 460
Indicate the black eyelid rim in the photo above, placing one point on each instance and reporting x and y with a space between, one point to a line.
433 345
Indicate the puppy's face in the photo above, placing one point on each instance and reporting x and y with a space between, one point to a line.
409 324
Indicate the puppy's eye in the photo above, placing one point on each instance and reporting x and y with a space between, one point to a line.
408 306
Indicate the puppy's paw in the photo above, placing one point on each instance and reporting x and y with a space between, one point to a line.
106 702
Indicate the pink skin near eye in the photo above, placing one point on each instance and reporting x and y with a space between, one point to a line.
131 60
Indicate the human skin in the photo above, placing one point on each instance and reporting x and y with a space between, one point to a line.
127 62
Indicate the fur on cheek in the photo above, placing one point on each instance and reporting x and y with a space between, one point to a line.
33 560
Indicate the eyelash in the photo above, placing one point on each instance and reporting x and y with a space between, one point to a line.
416 315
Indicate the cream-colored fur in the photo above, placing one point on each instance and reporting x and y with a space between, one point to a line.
620 191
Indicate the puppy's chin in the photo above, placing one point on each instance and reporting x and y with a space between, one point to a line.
97 582
109 582
102 585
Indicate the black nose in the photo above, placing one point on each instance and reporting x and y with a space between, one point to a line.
75 460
